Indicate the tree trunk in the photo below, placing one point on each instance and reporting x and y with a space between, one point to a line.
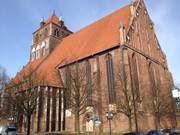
28 124
158 122
156 125
77 121
130 123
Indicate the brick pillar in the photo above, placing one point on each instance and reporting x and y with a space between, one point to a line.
48 109
53 109
63 110
40 108
44 108
57 107
36 113
60 110
99 92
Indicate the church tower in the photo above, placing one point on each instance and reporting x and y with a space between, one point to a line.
48 36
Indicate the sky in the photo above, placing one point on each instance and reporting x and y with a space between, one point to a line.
20 18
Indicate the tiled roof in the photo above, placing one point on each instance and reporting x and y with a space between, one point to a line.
30 67
97 37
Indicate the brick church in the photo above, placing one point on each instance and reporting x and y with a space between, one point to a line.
121 60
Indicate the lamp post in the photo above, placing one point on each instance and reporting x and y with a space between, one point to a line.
110 116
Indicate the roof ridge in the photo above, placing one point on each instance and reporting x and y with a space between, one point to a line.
100 19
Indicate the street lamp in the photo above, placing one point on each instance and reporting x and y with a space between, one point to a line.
110 116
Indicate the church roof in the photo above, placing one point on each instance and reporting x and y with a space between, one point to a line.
95 38
30 67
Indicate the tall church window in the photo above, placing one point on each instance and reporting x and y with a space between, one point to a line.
152 75
135 75
89 83
110 79
68 87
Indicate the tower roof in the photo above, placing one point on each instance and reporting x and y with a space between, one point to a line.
53 18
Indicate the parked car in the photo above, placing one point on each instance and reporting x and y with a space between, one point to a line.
8 130
171 131
134 133
155 132
52 133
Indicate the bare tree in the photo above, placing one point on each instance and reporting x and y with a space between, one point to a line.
161 103
4 78
27 104
26 94
77 91
10 110
125 103
127 99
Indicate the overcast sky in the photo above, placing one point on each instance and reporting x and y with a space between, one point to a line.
20 18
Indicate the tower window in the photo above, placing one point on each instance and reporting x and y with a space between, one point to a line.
38 52
43 50
110 79
33 54
46 32
36 38
56 32
46 49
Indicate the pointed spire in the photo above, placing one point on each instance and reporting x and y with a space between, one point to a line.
54 13
60 18
42 22
42 19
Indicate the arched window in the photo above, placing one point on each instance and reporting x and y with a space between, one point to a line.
43 49
135 75
68 86
152 74
154 77
110 79
56 32
33 54
89 83
36 38
46 32
37 52
47 48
